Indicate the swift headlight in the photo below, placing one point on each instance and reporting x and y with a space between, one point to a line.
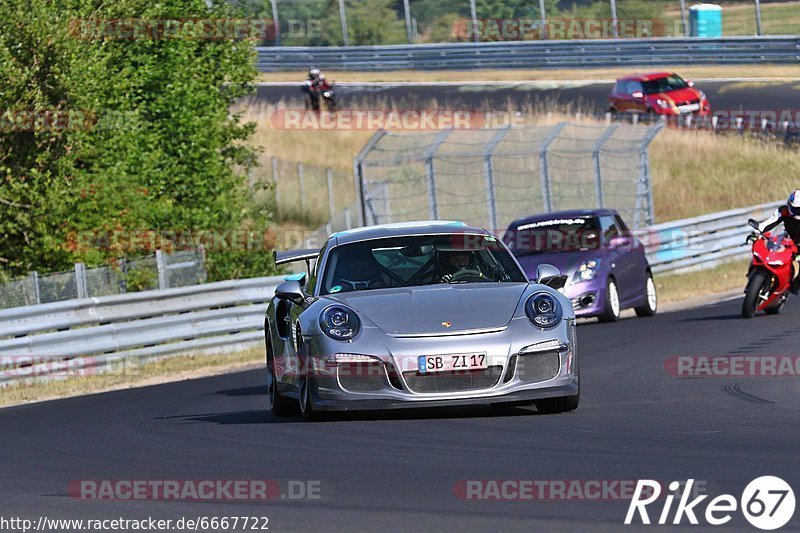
663 104
339 323
543 310
587 271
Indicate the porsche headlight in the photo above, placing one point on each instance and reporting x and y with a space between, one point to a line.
587 271
543 310
339 323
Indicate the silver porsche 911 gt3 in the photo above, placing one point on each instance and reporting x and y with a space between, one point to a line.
418 315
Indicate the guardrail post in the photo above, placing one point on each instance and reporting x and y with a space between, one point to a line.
163 274
80 280
331 204
35 282
543 168
598 168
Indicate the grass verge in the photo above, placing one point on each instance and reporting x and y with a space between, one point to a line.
133 375
686 286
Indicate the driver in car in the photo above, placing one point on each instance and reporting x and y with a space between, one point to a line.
452 263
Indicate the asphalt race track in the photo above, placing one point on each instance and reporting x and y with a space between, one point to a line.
585 96
397 472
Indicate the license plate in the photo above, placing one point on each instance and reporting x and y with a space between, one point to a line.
451 363
688 108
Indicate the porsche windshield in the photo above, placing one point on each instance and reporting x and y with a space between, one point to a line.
418 260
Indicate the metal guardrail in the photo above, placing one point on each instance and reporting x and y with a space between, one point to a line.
535 54
704 241
93 333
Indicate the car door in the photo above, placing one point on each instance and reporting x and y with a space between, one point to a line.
623 264
637 102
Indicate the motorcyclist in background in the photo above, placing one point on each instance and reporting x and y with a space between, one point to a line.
789 215
314 86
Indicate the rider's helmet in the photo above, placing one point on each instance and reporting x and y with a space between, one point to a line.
794 204
314 73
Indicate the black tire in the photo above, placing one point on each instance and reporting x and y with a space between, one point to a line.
558 405
648 309
307 403
754 287
609 314
279 405
330 103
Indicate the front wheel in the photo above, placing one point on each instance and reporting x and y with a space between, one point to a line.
754 294
651 298
611 308
307 410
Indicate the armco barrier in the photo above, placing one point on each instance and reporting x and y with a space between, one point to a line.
535 54
98 331
704 241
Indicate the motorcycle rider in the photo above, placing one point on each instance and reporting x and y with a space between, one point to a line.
313 86
789 215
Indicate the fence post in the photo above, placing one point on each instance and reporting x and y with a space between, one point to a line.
358 175
645 178
163 274
331 204
545 172
614 21
407 12
275 183
343 18
488 169
598 171
759 31
543 18
35 280
473 23
301 183
433 207
347 222
80 280
276 22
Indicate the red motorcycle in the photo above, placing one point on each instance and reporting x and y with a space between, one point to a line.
319 92
771 272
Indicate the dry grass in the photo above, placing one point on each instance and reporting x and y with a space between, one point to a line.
697 173
778 72
693 172
681 287
132 375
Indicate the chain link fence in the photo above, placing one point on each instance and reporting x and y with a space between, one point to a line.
149 273
490 177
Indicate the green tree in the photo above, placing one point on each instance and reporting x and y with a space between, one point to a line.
159 149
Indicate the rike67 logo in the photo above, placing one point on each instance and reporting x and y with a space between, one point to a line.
767 503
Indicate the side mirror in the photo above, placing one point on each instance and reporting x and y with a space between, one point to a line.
690 83
290 290
550 276
753 223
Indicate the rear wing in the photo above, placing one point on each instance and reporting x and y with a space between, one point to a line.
292 256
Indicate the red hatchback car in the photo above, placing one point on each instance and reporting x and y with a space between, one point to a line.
660 93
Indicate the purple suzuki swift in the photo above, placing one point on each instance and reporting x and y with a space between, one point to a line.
605 265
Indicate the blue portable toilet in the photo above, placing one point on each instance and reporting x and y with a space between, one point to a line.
705 20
